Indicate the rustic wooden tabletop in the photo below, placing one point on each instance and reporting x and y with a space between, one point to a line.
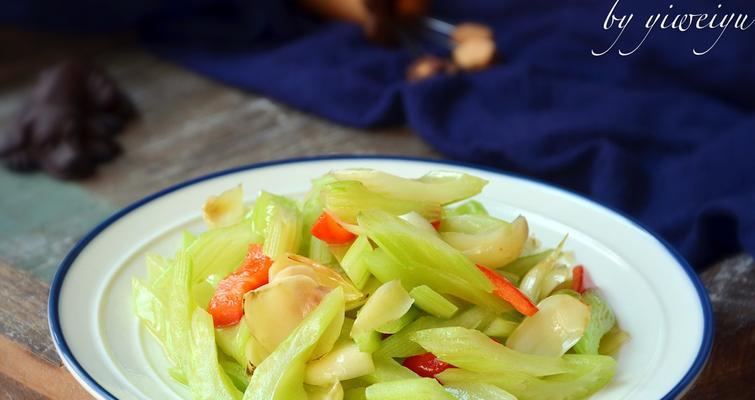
190 126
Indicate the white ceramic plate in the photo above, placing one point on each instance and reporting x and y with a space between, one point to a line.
654 292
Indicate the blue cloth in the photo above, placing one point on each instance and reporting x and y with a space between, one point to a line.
665 136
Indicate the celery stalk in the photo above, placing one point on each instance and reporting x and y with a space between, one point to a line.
232 341
437 186
356 393
319 250
180 308
601 321
478 391
472 350
281 375
237 373
207 380
471 224
613 340
346 199
283 231
500 328
400 344
353 262
522 265
418 388
387 369
471 207
334 391
585 375
432 302
220 251
311 209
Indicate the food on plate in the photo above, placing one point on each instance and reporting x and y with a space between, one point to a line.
374 286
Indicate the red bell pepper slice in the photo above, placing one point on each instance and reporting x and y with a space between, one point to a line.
508 292
578 279
435 224
327 229
426 365
227 304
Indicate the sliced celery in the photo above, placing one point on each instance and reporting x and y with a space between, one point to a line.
353 262
180 306
232 341
187 238
438 186
401 345
387 369
471 207
346 199
319 251
283 231
237 373
500 328
220 251
356 393
585 375
421 258
602 320
419 222
207 379
493 248
522 265
396 325
281 375
344 362
311 209
433 302
156 266
368 341
472 350
478 391
418 388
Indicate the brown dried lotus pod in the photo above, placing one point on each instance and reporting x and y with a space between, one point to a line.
425 67
469 30
474 54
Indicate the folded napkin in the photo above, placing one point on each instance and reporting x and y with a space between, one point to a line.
662 134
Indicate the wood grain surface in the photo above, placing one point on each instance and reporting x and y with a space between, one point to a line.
191 126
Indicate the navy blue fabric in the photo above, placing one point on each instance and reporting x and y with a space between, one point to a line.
666 136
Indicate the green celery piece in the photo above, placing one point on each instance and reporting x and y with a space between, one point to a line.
236 372
585 375
500 328
368 341
418 388
613 340
220 251
433 302
232 341
283 230
423 258
311 209
353 262
202 293
522 265
602 319
437 186
471 207
150 310
471 349
319 251
396 325
187 238
401 345
332 392
207 379
281 375
156 266
388 369
180 307
478 391
357 393
346 199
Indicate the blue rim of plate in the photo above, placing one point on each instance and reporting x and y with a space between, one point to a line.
57 283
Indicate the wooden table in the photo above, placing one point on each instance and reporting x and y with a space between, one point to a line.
191 126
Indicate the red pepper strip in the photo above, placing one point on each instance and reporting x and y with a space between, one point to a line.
578 279
227 304
508 292
426 365
327 229
435 224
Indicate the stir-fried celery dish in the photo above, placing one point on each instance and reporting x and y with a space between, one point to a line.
374 286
